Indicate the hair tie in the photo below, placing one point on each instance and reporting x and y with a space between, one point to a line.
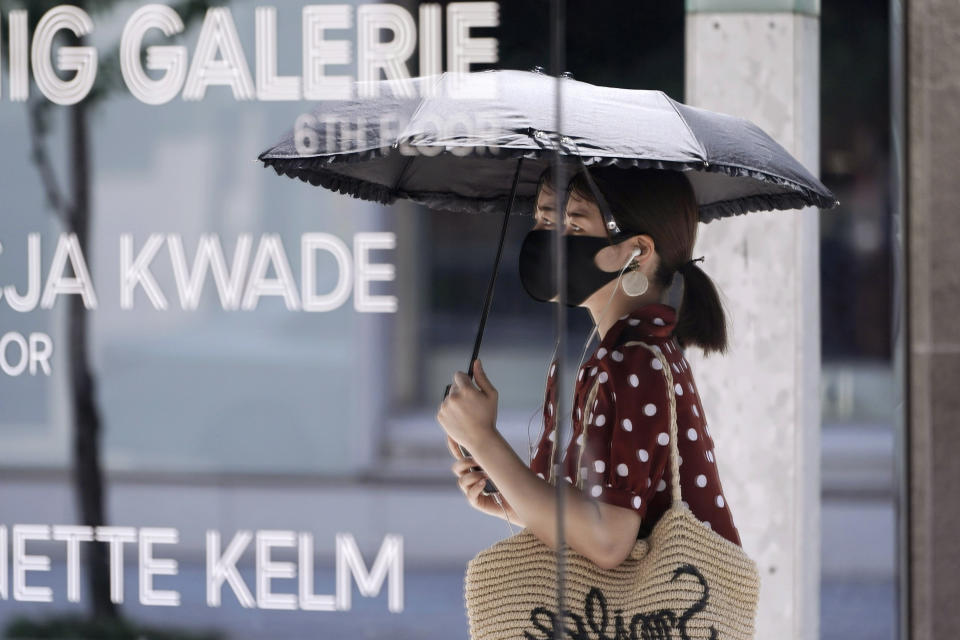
689 263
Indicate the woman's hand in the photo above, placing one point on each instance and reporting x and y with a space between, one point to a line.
472 483
469 414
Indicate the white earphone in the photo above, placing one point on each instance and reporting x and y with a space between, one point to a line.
634 283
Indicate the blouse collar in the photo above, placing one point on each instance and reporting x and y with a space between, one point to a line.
654 319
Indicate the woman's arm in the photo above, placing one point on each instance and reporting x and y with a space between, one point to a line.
472 484
601 532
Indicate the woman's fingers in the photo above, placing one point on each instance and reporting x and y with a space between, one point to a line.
482 380
475 491
472 478
463 465
454 447
462 382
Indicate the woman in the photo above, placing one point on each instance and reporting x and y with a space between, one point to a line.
614 466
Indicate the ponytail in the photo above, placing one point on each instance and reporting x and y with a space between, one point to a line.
701 319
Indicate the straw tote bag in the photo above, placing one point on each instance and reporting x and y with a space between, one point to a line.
684 580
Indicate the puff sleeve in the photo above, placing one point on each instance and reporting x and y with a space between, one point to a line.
628 430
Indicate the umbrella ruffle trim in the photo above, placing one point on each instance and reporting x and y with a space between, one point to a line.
315 171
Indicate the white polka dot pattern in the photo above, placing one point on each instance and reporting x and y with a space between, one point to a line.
627 465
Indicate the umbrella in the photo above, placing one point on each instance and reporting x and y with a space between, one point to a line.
478 142
442 140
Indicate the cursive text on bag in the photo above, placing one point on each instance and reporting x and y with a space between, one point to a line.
594 624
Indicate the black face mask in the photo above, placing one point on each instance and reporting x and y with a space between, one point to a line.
584 277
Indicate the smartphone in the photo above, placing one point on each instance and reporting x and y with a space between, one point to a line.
489 489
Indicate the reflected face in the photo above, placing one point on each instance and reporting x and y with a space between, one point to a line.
582 217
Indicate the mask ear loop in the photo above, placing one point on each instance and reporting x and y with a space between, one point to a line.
613 292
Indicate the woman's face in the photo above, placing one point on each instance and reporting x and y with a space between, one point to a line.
583 218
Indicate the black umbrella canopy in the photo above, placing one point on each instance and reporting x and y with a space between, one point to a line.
445 141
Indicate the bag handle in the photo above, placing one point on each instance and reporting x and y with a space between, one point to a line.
674 464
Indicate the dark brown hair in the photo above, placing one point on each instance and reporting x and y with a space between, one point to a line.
661 203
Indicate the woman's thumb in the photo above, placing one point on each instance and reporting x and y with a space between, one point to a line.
481 377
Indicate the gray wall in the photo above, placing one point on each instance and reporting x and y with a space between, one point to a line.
933 111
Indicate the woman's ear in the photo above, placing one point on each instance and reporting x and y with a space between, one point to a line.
643 244
615 257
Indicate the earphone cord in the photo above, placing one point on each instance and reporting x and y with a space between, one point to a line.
586 345
499 501
606 307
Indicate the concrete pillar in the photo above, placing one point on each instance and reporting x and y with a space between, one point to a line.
759 59
933 333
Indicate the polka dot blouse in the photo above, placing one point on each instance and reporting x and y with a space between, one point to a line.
620 457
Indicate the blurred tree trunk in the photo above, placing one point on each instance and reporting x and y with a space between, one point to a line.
74 211
87 474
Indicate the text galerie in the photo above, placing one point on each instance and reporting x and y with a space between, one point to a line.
219 59
221 567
